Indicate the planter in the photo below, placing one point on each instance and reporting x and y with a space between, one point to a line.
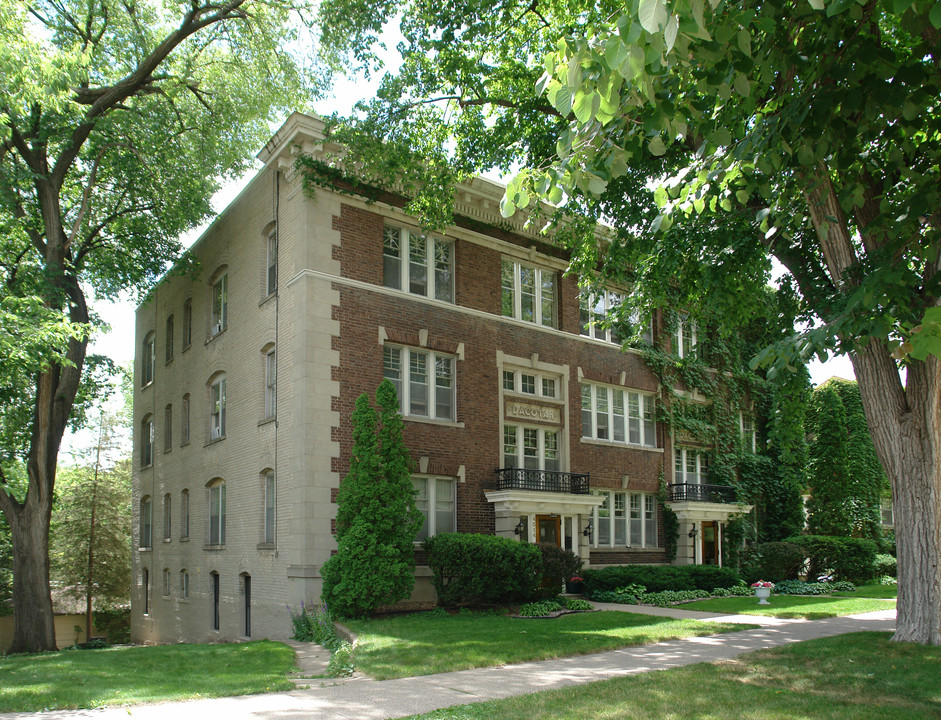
763 593
575 588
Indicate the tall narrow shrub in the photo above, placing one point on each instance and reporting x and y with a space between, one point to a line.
376 515
829 505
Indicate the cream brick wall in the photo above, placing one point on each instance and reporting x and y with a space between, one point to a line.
296 446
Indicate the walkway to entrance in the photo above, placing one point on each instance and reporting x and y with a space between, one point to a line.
364 699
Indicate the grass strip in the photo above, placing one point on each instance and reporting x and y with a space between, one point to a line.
435 642
130 675
814 607
861 676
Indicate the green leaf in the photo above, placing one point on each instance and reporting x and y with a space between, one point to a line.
669 34
652 15
597 185
935 16
816 4
656 146
741 85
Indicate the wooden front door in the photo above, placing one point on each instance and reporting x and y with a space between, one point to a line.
549 529
710 543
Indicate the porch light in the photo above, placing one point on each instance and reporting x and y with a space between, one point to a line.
588 529
694 532
520 527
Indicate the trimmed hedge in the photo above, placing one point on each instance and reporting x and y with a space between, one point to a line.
660 578
470 569
772 561
851 559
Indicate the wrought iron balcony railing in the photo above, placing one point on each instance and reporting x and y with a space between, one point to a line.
542 481
695 492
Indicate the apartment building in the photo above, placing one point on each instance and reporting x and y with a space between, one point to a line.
523 417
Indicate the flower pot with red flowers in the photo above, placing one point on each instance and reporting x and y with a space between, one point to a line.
763 590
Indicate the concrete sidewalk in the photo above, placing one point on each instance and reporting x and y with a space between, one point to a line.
364 699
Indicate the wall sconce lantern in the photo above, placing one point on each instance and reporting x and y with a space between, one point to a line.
589 529
520 526
694 532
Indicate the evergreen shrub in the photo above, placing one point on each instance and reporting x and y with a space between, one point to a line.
885 565
482 569
772 561
844 558
558 565
658 578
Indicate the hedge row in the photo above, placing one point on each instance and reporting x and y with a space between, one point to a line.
659 578
851 559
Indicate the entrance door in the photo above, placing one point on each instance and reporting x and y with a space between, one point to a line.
710 543
548 529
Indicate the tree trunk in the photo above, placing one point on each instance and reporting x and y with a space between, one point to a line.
33 625
906 430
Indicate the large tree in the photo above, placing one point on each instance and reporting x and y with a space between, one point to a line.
117 120
816 119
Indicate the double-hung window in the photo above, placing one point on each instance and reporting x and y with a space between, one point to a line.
748 431
626 519
272 276
684 336
220 305
149 360
423 379
217 513
147 442
185 514
271 384
167 517
532 448
528 293
187 323
610 413
146 522
596 311
269 508
185 421
418 264
434 498
169 347
217 409
690 466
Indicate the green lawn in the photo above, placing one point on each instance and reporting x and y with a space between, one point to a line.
131 675
862 676
427 643
866 598
793 606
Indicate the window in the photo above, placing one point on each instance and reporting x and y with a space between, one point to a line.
168 429
145 587
271 384
429 388
167 513
610 413
528 293
888 519
690 466
214 580
597 308
187 323
269 505
272 261
217 409
185 421
220 302
149 359
246 604
166 582
146 522
217 513
684 336
147 442
416 263
530 448
184 584
169 339
185 514
434 498
530 383
626 519
748 432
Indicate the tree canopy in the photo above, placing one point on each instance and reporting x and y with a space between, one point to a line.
117 121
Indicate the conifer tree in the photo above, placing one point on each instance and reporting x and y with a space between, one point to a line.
376 516
828 509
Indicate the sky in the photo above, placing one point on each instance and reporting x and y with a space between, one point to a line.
118 343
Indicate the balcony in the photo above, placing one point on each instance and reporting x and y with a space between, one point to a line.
696 492
542 481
